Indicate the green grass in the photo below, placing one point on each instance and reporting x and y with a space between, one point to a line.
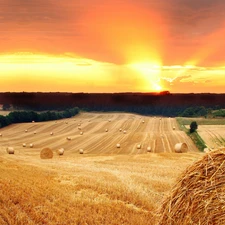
201 121
200 144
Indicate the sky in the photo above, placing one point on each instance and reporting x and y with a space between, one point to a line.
112 46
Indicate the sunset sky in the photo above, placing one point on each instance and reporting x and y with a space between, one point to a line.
112 45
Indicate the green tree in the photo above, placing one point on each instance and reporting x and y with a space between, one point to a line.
193 126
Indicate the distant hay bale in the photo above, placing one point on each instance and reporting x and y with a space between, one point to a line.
81 133
66 122
60 151
198 196
81 151
51 133
109 120
24 145
25 131
33 121
0 135
78 124
143 121
46 153
138 146
79 128
174 128
118 145
31 145
120 130
35 132
181 147
106 130
124 131
68 138
149 149
10 150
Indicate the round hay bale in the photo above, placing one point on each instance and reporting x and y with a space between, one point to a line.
33 121
46 153
68 138
109 120
51 133
31 145
143 121
120 129
0 135
78 124
25 131
174 128
60 151
106 130
81 133
206 150
181 147
10 150
35 132
118 145
198 196
149 149
124 132
81 151
138 146
79 128
24 145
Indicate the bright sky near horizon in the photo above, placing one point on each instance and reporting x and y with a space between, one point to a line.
112 45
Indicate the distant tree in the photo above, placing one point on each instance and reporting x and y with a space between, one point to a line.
193 126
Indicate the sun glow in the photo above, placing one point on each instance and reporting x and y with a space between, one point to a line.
150 73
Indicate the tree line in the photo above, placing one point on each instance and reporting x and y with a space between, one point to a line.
29 116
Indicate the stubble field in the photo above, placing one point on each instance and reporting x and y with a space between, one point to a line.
105 185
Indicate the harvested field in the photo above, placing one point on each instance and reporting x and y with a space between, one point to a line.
213 135
155 132
105 185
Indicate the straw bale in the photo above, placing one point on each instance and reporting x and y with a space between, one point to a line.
60 151
181 147
120 129
0 135
33 121
51 133
10 150
81 151
149 149
124 132
174 128
35 132
81 133
24 145
138 146
68 138
31 145
106 130
118 145
198 196
143 121
25 131
46 153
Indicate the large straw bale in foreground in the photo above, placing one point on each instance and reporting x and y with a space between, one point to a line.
198 197
46 153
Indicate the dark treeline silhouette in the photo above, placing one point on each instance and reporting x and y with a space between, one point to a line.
164 103
29 116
